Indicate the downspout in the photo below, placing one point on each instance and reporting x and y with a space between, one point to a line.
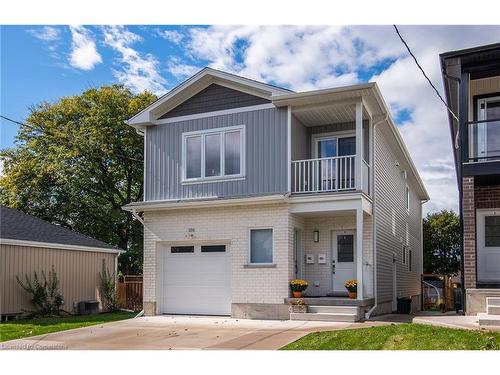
375 286
136 215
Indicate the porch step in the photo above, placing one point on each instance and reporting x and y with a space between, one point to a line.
324 317
333 309
329 314
493 305
489 320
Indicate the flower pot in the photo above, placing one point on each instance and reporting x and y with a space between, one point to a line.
353 295
297 294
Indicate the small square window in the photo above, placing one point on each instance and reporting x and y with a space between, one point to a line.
261 246
181 249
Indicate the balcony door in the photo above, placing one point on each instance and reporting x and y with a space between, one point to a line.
337 173
488 132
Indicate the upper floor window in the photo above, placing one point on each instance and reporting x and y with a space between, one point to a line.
213 154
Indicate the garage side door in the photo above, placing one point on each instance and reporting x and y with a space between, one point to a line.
196 280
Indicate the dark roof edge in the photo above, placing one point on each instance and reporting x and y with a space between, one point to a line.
468 51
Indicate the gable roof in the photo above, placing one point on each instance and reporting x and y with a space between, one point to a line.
19 228
197 83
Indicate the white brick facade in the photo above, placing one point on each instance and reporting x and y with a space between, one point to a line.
231 224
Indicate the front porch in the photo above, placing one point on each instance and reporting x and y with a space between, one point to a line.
333 243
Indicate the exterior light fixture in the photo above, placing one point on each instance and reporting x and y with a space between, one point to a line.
316 236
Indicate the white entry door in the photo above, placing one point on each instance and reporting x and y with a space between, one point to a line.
343 259
195 280
488 246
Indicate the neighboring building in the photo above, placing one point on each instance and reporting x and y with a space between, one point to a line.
472 85
29 244
248 186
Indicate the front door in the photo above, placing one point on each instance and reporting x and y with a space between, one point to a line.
343 259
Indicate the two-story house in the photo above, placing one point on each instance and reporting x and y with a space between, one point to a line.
248 186
472 85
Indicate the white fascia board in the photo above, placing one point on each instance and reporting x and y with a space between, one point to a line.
288 98
197 203
51 245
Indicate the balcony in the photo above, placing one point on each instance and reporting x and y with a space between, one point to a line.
333 174
484 141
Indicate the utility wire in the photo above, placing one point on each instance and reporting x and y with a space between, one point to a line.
425 75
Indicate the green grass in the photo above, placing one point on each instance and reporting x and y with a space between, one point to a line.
17 329
398 337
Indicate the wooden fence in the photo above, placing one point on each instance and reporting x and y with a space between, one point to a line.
129 293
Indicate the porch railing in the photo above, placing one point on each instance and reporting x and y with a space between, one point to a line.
484 140
323 174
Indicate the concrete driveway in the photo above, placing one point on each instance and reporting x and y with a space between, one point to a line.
182 332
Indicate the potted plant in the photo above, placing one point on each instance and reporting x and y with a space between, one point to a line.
298 286
352 288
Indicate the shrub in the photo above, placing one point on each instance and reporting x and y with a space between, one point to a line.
107 288
44 293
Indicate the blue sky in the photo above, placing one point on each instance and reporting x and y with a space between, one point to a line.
44 63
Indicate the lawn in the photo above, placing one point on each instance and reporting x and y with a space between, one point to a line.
17 329
398 337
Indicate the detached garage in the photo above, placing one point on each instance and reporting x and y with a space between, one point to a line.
194 279
29 244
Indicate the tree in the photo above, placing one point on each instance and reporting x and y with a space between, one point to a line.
441 232
76 163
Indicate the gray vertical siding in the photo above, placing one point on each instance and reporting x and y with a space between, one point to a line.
390 197
266 156
300 141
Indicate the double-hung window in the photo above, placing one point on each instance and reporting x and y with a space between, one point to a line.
214 154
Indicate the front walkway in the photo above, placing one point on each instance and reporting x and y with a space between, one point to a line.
182 332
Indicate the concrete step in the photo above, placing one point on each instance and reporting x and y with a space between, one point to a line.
325 317
493 310
333 309
489 320
493 301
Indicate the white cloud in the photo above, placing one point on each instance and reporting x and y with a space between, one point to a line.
139 71
84 53
309 57
181 70
173 36
46 33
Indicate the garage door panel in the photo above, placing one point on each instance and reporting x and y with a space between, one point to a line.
195 283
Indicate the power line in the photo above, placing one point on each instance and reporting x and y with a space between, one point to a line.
16 122
425 75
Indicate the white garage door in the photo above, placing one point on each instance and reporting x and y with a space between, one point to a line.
196 280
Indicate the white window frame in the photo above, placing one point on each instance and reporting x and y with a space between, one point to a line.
250 247
407 197
203 133
404 254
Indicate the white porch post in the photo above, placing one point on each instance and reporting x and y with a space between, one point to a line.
359 145
359 251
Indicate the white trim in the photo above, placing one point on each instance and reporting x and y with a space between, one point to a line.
359 251
206 202
480 243
213 114
249 263
222 134
289 148
407 198
8 241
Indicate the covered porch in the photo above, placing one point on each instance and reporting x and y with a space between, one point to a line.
333 243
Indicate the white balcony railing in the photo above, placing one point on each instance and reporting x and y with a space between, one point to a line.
323 174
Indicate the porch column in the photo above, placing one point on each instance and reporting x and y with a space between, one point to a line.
359 251
359 145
